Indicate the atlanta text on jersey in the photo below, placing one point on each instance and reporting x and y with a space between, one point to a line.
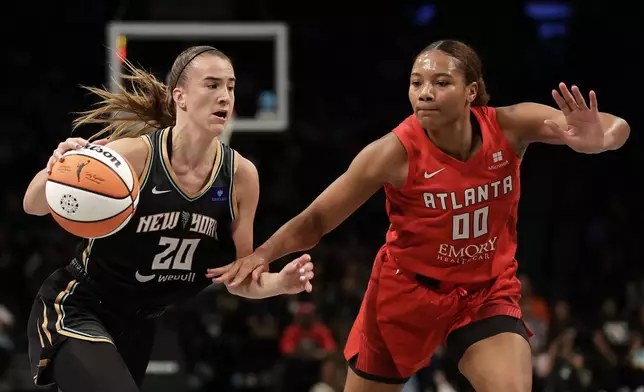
469 197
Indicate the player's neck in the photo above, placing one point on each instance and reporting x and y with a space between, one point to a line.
192 149
454 139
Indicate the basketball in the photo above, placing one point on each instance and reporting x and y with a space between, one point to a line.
93 192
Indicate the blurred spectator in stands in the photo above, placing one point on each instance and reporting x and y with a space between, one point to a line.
305 343
536 315
611 339
433 377
333 373
344 295
567 365
261 346
6 343
307 337
561 320
635 360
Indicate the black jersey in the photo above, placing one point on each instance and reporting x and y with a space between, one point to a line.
162 254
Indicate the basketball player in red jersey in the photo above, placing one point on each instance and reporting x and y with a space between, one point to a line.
447 272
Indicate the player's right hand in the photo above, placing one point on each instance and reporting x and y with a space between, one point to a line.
72 143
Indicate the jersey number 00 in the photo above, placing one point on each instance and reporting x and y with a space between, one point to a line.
476 221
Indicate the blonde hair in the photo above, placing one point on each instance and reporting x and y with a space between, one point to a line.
147 106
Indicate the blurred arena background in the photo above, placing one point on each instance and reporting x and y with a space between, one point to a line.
317 81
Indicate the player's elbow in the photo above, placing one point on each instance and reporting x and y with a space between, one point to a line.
617 131
316 228
622 132
32 207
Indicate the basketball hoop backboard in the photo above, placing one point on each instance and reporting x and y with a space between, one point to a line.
272 114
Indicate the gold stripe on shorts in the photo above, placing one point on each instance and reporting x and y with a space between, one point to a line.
59 326
45 322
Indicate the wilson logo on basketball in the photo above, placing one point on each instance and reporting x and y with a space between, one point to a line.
106 154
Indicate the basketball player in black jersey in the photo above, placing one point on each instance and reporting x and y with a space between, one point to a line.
91 324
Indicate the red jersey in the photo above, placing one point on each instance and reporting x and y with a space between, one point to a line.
452 220
319 336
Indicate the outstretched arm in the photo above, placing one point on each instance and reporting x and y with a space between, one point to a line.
377 164
383 161
583 128
295 276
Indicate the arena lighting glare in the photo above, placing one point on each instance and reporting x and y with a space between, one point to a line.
552 18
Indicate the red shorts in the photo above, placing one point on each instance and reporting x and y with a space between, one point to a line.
401 323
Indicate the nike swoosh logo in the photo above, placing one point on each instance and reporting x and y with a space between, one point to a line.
155 191
430 175
143 278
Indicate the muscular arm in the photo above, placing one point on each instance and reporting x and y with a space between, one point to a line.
135 150
524 122
383 161
247 196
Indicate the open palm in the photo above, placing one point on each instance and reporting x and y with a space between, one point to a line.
584 132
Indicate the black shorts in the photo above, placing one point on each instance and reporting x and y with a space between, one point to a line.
68 307
462 338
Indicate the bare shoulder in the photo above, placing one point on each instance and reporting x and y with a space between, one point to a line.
136 150
509 118
246 182
244 169
384 160
393 146
387 149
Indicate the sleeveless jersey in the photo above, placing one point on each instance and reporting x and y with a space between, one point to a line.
162 254
455 220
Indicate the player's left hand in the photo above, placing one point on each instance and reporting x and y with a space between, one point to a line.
296 276
584 131
236 272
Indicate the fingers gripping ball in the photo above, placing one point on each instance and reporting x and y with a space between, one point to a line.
93 192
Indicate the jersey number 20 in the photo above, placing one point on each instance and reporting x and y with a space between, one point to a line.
178 253
476 221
